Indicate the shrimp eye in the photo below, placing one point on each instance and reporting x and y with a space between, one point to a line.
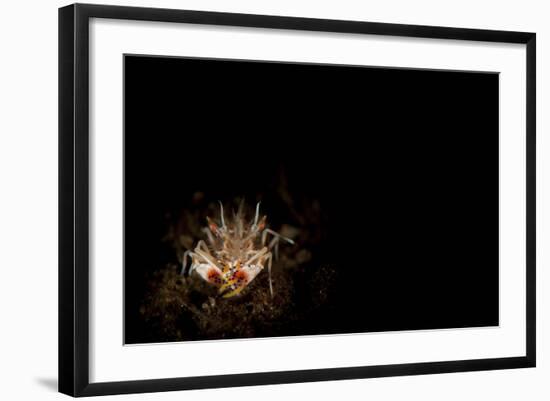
261 224
213 226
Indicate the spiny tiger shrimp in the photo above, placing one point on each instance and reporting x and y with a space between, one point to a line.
236 252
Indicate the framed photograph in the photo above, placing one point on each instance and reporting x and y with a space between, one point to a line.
251 199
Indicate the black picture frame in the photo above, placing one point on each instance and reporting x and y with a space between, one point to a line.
74 198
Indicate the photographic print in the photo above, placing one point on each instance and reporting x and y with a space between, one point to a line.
312 199
268 199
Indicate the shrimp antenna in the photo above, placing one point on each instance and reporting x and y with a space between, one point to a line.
241 207
221 213
257 213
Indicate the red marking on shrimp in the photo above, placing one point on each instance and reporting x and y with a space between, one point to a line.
213 275
241 276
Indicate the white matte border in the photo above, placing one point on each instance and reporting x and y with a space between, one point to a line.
111 361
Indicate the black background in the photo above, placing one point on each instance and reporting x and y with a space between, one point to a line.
403 162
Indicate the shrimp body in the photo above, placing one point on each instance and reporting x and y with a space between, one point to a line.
237 251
